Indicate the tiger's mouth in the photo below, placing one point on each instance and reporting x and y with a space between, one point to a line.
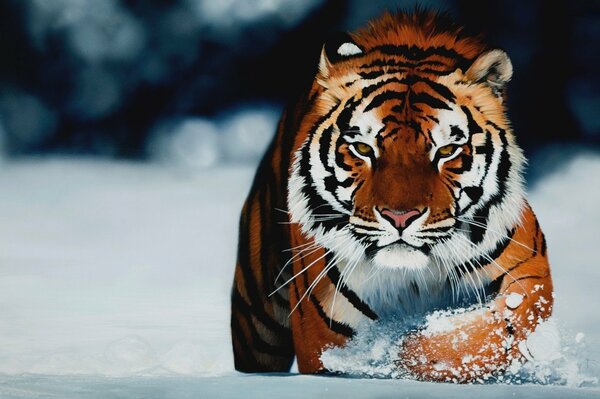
399 244
396 252
424 247
399 255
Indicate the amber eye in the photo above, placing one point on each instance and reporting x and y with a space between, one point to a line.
447 150
363 149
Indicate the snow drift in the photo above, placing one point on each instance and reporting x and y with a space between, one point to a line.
123 270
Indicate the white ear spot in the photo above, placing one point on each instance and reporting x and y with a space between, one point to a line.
348 49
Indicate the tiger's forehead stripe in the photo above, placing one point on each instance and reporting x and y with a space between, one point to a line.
442 59
409 93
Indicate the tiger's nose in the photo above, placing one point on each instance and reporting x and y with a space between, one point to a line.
401 219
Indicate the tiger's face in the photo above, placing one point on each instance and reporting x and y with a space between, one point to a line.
407 160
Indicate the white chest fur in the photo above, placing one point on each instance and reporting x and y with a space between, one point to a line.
402 293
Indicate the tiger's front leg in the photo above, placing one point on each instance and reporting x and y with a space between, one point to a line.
260 330
311 293
481 345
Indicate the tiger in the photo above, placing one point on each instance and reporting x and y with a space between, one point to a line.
393 188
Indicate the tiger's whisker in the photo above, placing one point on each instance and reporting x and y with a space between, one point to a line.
477 224
493 262
328 251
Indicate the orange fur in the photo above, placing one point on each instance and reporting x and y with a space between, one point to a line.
265 337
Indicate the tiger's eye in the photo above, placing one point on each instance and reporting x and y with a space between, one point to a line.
447 150
363 149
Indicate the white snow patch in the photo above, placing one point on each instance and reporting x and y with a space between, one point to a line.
375 348
371 353
119 269
116 268
348 49
513 300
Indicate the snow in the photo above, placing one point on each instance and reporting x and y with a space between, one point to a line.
513 300
265 386
237 136
115 281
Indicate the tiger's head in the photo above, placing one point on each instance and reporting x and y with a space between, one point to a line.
405 155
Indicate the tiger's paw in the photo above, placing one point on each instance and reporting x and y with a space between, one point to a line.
470 353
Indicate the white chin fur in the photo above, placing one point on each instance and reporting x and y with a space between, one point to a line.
399 256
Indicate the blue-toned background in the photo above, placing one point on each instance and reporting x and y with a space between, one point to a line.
117 78
129 135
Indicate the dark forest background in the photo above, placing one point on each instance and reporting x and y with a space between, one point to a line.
101 77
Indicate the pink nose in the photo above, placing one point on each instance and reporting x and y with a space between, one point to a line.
401 219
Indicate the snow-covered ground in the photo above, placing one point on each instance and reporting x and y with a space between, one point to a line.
115 279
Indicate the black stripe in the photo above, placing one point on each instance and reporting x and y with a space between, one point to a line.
350 295
466 163
367 91
497 282
335 326
244 359
251 363
437 230
544 248
299 307
324 146
471 124
481 215
428 99
532 276
308 188
390 119
439 88
417 53
265 233
456 132
368 228
435 71
358 186
377 73
280 299
503 171
493 287
474 193
266 320
519 263
386 95
343 119
394 62
484 259
260 345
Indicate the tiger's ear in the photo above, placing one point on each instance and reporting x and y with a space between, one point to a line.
339 47
492 68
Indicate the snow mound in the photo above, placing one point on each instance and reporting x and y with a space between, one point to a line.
125 269
552 358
